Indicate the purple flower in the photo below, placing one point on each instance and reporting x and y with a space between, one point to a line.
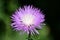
27 19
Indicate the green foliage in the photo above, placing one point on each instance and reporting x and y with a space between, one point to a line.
44 32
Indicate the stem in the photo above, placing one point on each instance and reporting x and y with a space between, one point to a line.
29 36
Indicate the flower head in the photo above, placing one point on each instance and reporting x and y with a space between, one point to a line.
27 19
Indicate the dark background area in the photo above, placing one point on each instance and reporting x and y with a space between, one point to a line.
50 8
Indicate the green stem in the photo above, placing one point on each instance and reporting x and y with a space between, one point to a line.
29 36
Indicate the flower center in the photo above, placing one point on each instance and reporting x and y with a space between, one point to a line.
28 19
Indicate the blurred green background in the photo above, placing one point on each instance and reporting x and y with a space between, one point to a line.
49 8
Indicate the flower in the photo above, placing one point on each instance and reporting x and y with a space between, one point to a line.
27 19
